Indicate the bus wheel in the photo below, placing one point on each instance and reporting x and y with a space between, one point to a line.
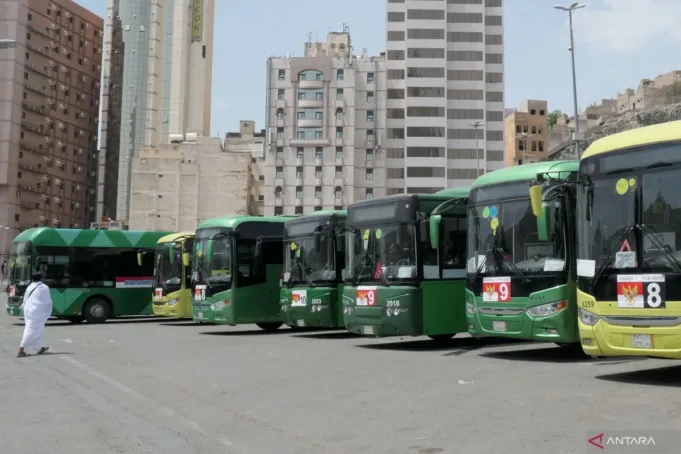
571 348
441 338
75 319
97 310
269 327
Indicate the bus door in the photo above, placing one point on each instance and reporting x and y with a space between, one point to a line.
55 265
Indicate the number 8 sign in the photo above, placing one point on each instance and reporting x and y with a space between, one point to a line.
496 289
641 291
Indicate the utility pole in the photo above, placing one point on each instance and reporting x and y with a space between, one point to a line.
477 125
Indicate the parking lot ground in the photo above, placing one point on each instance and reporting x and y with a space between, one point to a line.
162 386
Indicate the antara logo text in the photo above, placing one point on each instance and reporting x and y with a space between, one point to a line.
601 441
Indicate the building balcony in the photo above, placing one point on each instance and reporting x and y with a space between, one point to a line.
30 205
32 148
30 168
310 123
316 142
310 103
33 107
311 84
36 89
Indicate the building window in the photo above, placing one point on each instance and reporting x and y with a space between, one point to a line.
318 134
280 133
370 96
280 114
299 192
339 172
277 192
319 153
281 94
541 145
301 115
301 95
300 152
542 112
282 74
261 198
369 194
369 174
319 115
279 153
318 192
318 208
280 172
339 133
371 78
339 152
299 173
300 134
370 133
318 172
339 114
278 211
370 115
340 74
339 93
338 192
534 145
370 156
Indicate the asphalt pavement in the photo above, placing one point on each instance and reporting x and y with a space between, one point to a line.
161 386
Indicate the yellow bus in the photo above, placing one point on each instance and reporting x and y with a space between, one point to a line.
629 258
172 275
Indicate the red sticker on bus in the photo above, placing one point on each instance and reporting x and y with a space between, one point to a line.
365 296
158 293
496 289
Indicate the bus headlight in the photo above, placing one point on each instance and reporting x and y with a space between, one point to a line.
171 302
588 318
471 309
545 310
219 305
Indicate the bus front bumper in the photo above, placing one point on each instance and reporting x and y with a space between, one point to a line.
163 309
317 316
374 321
520 324
605 339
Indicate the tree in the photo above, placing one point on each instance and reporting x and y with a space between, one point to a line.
552 118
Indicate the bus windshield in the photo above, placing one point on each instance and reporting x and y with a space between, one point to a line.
214 252
20 264
382 253
304 265
504 238
168 270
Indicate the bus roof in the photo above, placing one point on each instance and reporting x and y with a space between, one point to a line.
454 192
443 196
174 236
234 221
525 172
663 132
322 213
47 236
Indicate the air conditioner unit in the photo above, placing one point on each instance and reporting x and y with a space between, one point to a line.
76 225
50 102
46 197
53 64
77 205
61 126
82 133
80 151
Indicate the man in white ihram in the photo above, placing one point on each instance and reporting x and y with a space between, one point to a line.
37 308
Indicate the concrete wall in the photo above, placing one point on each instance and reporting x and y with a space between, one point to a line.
176 186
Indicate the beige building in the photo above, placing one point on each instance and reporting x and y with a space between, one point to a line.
650 92
176 186
526 133
250 140
49 108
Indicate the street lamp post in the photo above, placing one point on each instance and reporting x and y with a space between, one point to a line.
477 125
570 9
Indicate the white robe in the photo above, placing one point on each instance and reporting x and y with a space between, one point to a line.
37 310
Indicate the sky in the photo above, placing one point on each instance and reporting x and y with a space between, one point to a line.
617 43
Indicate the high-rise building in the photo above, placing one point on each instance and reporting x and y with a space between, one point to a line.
325 128
252 141
445 93
153 49
49 107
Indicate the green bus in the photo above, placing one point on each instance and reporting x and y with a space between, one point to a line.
401 279
93 275
521 258
237 271
314 266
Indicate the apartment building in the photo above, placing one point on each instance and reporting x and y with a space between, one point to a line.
252 141
49 106
152 49
445 93
527 133
326 127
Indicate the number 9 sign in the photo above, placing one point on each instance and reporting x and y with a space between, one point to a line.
496 289
365 296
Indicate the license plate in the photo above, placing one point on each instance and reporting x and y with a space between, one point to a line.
369 330
641 341
499 327
300 322
200 315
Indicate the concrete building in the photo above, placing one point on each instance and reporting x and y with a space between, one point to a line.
651 93
152 49
250 140
526 136
176 186
326 127
445 73
49 107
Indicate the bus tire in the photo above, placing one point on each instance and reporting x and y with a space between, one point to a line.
572 348
97 310
269 327
75 318
442 338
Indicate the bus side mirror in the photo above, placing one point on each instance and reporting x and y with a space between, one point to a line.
536 199
424 231
258 249
435 230
544 222
185 259
317 241
139 259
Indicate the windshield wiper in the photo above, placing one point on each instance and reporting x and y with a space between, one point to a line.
488 251
611 256
510 261
666 250
367 259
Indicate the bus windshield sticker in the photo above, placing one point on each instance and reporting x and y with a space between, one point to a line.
134 282
622 186
378 234
200 292
494 223
299 298
496 289
641 291
586 268
365 296
554 265
485 212
158 293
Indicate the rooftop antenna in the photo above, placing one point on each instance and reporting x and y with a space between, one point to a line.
309 38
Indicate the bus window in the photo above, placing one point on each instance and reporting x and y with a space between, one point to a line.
55 265
454 237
